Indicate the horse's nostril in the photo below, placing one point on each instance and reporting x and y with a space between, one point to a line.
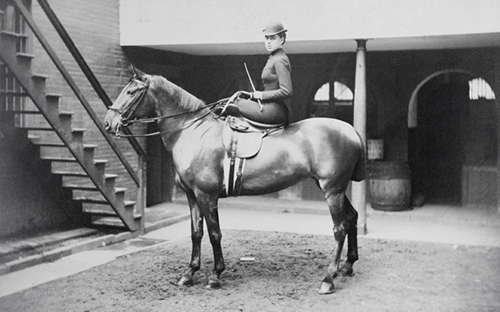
107 126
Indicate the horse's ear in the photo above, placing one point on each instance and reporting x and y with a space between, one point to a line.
136 72
132 69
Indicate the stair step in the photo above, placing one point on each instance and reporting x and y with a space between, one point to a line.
71 159
49 144
109 221
39 76
25 55
83 187
34 128
90 187
90 146
70 173
22 111
12 34
53 95
59 158
112 221
89 200
66 114
100 212
58 144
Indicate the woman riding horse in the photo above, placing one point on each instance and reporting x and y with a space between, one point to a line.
271 106
327 150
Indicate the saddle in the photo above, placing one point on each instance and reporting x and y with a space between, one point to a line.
242 139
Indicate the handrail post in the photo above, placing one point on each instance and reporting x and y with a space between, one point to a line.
141 191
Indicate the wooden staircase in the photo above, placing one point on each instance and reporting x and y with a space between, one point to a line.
61 144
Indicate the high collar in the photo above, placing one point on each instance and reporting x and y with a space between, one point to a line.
277 51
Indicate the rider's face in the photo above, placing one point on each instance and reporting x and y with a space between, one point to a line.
273 43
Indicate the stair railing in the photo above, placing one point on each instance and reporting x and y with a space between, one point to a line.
137 177
84 67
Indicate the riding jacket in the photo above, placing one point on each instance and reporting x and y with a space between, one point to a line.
277 79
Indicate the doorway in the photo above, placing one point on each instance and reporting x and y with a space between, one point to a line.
452 142
160 175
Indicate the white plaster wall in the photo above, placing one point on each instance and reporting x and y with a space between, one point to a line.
172 22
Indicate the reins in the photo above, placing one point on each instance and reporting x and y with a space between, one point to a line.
129 110
153 119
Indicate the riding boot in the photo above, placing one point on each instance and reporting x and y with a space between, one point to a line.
231 110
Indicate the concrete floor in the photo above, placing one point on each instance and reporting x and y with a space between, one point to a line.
478 226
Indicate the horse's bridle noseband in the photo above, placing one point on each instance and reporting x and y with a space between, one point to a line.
139 92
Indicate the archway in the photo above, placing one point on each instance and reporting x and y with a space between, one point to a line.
452 140
333 100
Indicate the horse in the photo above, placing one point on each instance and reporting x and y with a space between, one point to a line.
328 150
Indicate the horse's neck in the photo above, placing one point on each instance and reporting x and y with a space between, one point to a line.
195 134
173 100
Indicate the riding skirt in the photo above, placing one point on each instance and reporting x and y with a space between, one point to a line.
272 112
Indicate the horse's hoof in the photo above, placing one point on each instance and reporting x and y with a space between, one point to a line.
213 286
213 283
346 270
326 288
185 281
349 272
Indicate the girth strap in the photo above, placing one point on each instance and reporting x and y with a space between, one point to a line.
233 175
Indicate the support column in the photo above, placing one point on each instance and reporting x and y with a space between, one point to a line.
359 188
496 90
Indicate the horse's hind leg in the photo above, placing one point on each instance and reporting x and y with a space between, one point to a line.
351 221
196 237
336 203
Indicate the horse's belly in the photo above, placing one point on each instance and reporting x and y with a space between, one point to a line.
271 172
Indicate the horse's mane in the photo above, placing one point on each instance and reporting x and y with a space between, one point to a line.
185 100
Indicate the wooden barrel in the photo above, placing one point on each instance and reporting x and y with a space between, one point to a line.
390 185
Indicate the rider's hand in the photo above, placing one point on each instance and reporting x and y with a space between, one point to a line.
256 95
245 95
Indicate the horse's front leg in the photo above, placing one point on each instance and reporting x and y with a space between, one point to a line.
335 204
209 207
196 237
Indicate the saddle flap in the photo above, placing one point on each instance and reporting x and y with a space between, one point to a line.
245 144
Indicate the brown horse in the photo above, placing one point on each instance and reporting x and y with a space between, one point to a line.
327 150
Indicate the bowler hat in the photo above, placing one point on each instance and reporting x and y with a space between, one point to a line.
273 28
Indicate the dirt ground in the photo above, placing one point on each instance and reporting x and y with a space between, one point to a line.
286 273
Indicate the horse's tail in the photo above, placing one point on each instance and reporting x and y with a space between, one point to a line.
359 173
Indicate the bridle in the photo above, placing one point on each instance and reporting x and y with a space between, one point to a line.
139 93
